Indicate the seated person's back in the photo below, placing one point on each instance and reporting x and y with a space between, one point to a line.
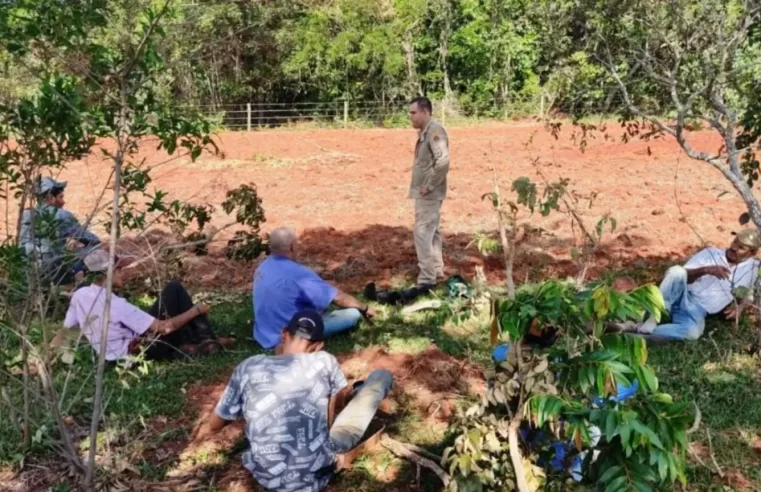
282 288
285 403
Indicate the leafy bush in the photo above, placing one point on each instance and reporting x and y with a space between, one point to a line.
564 396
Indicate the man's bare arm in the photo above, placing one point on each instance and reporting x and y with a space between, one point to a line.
213 424
344 300
167 326
694 274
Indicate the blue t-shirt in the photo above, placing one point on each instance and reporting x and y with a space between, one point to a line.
281 289
284 401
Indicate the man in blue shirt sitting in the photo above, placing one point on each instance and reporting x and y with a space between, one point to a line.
282 288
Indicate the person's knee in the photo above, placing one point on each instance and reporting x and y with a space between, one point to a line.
381 377
352 316
173 286
695 331
676 273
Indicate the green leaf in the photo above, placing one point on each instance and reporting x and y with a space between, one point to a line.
642 486
663 465
540 412
646 431
651 382
610 473
616 485
625 432
610 425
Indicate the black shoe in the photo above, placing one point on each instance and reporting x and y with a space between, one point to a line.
371 292
424 288
388 297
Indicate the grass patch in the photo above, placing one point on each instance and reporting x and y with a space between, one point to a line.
716 372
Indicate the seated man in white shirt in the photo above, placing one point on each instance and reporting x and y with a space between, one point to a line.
171 328
707 284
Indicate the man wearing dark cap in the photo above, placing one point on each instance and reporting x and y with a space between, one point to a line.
290 403
49 229
713 281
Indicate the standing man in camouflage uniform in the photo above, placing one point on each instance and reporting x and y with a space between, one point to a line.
428 189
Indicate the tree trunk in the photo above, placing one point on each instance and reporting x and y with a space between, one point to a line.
512 434
413 81
446 31
122 136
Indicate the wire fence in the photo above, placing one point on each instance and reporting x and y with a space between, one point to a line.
340 113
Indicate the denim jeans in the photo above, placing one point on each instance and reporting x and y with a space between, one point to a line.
687 316
352 423
340 321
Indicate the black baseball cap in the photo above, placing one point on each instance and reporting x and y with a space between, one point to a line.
308 325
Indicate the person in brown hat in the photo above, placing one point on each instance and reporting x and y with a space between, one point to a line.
713 281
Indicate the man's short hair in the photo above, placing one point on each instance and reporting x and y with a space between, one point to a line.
423 103
281 239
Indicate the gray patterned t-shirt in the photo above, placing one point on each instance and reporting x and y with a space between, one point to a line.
284 400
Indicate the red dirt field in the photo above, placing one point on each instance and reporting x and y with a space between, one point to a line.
345 192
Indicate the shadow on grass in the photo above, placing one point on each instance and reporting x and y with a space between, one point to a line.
386 254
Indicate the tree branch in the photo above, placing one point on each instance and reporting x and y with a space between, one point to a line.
403 450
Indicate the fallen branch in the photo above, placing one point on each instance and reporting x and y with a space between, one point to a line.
713 457
696 423
404 450
422 452
153 256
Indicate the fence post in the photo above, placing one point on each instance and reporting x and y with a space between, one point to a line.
346 113
541 106
444 111
248 116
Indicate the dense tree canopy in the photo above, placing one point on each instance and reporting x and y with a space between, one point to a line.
484 53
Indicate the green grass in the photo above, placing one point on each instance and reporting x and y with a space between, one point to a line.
719 375
715 372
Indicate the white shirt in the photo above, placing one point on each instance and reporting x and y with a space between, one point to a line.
125 323
714 294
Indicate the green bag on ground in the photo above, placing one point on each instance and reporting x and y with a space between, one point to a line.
457 287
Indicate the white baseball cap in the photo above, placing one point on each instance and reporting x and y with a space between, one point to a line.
97 261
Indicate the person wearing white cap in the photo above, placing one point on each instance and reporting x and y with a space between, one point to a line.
713 281
48 229
172 327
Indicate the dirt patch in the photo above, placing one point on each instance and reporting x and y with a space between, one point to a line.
428 383
345 192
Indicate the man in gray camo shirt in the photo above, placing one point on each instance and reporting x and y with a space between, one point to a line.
289 401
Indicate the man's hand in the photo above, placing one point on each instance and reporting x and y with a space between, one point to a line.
369 313
423 190
72 244
734 311
717 271
202 309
